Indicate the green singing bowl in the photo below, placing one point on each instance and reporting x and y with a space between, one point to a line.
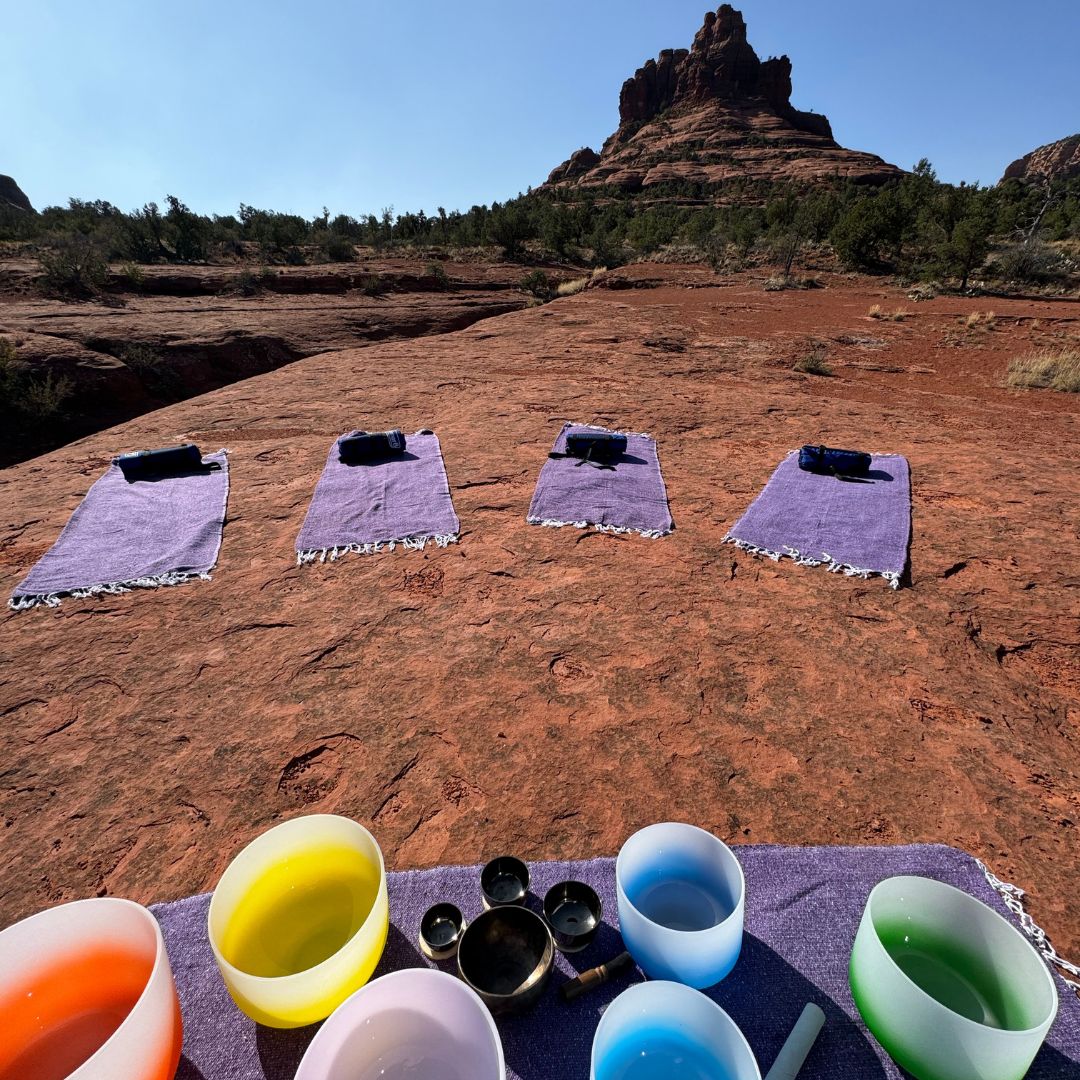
950 989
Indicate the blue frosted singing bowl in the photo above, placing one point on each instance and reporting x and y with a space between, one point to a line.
666 1031
681 894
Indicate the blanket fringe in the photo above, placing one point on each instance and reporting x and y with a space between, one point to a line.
830 564
618 530
600 427
1013 897
409 543
174 577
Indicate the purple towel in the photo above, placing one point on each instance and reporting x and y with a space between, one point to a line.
128 535
367 508
858 525
629 498
803 907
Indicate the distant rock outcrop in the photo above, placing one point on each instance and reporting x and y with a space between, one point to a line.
1056 161
11 195
713 113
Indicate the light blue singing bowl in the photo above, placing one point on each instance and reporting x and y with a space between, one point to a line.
663 1030
681 895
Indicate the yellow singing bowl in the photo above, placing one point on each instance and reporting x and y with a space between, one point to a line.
298 921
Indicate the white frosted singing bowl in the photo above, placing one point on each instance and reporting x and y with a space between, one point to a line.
416 1024
681 895
299 919
86 993
668 1031
949 988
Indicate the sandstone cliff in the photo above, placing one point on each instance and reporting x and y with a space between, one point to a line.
715 113
1056 161
11 195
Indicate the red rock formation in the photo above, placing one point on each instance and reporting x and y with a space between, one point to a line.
1056 161
713 113
11 195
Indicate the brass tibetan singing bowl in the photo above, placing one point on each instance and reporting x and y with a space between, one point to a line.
506 955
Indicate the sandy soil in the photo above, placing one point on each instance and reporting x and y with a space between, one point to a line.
547 691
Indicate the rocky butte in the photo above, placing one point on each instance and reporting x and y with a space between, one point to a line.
715 113
12 197
1056 161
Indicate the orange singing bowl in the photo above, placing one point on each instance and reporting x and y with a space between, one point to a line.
86 993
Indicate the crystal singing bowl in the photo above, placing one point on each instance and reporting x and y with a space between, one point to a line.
299 919
86 993
414 1024
950 989
681 896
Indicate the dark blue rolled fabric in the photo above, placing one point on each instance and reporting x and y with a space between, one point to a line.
167 461
825 459
596 445
363 446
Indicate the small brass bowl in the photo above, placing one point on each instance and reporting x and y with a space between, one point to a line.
504 880
506 955
573 911
440 931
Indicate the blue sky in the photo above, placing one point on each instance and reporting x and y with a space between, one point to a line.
358 104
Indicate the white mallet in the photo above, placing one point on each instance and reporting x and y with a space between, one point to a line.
799 1043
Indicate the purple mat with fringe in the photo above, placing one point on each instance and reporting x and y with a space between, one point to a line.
140 534
629 498
803 907
366 508
858 526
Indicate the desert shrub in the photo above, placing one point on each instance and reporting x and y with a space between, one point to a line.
508 226
372 285
538 284
339 247
27 397
438 272
814 363
1047 369
569 288
132 275
188 232
1030 262
293 256
155 373
142 235
246 283
924 290
75 265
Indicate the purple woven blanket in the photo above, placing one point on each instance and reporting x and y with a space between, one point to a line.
803 907
134 534
629 498
367 508
858 526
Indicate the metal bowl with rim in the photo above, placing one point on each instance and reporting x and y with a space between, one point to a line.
506 955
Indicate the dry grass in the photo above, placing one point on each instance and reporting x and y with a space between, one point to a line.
878 312
976 319
568 288
1046 369
813 363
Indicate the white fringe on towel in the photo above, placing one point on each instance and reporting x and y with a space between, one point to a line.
619 530
826 560
598 427
112 588
1013 896
409 543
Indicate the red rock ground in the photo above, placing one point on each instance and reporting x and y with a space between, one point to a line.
548 691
